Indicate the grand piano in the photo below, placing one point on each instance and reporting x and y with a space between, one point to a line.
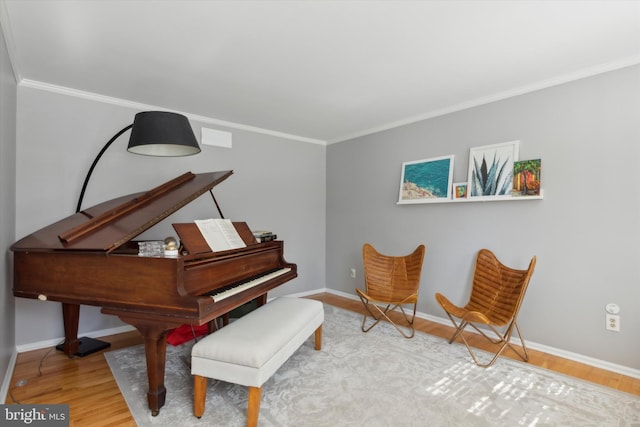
91 258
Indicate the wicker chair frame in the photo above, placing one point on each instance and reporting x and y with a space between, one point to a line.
496 296
391 282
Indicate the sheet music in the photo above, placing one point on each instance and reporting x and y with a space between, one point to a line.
220 234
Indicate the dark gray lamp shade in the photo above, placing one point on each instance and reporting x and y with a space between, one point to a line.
153 133
161 133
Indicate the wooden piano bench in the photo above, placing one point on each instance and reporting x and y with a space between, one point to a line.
251 349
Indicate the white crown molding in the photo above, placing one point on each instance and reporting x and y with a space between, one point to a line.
8 38
146 107
587 72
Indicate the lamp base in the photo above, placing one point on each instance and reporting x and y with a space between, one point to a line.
87 346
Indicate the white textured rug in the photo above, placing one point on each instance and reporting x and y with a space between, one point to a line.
379 379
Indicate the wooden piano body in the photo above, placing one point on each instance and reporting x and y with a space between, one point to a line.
90 258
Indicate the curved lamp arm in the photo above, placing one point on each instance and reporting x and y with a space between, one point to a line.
95 162
153 133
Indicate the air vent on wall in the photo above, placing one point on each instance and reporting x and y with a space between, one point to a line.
216 138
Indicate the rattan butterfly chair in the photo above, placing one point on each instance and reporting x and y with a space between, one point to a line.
496 296
391 282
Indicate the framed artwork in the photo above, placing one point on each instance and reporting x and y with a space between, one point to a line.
491 169
526 178
426 181
459 190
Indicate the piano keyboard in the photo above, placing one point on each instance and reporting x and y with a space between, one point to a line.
247 285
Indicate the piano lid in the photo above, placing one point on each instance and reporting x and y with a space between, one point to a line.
109 225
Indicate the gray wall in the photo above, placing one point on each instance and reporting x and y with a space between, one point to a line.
8 90
278 184
584 232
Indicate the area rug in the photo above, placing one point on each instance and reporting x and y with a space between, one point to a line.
379 379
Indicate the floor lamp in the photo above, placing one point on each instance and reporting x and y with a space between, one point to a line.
153 133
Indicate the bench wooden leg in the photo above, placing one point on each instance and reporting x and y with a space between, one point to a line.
253 408
199 394
318 337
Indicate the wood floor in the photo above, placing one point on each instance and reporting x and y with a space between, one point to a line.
47 376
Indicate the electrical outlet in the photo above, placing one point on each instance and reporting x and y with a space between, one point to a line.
353 273
613 322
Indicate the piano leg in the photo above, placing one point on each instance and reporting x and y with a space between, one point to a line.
261 300
155 348
70 319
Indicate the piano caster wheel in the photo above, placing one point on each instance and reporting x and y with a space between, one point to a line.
154 412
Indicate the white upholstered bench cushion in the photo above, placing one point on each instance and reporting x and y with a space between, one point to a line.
249 350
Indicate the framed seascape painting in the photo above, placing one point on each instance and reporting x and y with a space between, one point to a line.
491 170
426 181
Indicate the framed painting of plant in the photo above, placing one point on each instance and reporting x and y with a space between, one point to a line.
426 181
526 178
491 169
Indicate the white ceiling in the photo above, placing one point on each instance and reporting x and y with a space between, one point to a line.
320 71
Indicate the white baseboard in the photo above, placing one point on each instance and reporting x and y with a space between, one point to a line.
602 364
55 341
591 361
6 384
